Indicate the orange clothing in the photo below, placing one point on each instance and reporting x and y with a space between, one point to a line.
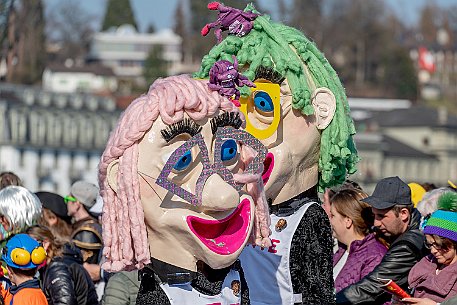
3 293
25 296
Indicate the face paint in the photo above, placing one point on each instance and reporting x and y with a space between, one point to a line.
264 99
224 150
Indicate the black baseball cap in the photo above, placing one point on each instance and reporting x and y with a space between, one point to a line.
389 192
55 203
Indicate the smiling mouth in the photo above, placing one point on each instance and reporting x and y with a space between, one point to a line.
224 236
268 165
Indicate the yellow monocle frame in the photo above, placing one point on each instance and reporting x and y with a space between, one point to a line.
274 91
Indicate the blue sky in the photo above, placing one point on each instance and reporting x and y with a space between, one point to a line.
161 13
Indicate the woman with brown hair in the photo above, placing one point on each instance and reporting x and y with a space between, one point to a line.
64 279
359 252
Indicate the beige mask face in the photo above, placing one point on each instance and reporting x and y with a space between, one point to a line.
179 232
291 165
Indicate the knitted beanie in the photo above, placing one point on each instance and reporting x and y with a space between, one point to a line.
443 222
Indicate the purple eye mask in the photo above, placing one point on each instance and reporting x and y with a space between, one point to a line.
217 167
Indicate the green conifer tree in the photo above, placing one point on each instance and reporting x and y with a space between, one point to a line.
118 12
154 66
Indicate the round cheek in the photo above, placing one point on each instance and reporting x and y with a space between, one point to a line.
151 196
335 230
304 136
151 207
336 227
147 190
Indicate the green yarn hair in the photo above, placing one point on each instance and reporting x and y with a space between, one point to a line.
287 50
448 202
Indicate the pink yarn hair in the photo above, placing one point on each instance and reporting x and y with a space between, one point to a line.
261 231
124 230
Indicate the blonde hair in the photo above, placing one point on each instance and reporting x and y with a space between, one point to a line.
348 203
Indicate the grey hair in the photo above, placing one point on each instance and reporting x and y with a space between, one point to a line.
21 207
429 202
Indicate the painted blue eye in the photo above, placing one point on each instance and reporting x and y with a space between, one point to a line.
229 150
263 102
184 161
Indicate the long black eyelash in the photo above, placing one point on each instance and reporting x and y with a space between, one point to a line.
226 119
185 126
269 74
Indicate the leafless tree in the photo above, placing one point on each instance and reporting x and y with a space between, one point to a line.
71 27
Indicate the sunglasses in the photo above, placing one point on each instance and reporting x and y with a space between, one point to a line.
435 245
68 199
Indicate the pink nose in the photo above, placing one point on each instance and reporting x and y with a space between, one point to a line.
218 195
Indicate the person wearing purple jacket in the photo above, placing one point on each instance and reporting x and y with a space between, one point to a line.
359 252
434 278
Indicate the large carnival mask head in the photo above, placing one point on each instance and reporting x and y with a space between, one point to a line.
298 108
179 160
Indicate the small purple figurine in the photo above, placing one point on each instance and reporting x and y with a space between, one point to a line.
224 78
236 21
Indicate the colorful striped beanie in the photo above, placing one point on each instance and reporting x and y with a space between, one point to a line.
443 222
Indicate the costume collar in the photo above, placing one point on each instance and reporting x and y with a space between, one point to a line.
174 275
167 273
290 206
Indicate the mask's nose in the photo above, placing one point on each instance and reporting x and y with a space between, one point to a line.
218 195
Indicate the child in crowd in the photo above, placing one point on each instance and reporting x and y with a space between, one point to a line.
23 255
64 279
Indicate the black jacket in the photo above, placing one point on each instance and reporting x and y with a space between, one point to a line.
66 282
403 254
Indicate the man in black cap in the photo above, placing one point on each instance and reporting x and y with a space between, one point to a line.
397 221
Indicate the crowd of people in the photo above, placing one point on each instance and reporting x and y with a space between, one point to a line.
51 245
210 190
384 237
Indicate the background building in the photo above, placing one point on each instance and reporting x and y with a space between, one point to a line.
416 143
90 79
125 50
52 139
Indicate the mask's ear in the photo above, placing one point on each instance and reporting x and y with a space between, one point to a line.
111 175
324 104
